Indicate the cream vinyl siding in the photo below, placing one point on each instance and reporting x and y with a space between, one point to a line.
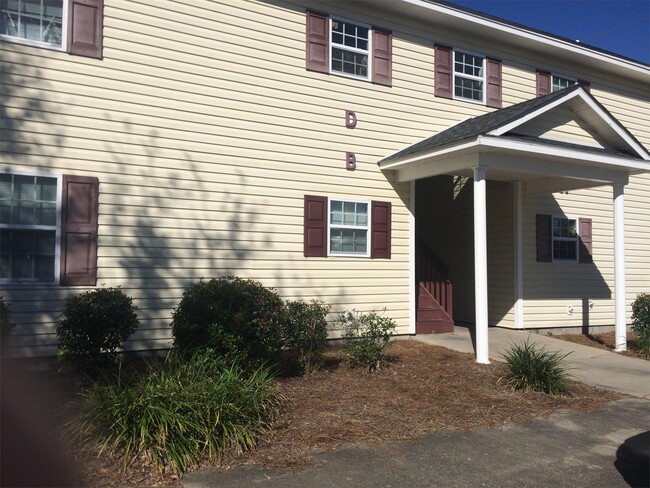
206 131
549 288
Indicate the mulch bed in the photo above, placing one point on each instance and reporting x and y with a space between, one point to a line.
425 389
601 341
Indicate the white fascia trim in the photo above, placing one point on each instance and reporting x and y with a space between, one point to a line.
435 153
534 36
561 152
544 108
616 127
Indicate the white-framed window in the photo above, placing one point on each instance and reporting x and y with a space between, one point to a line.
559 82
40 23
350 48
349 227
565 239
30 226
469 76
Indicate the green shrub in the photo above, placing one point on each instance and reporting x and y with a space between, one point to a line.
305 331
181 412
236 318
92 328
366 337
534 368
5 325
641 324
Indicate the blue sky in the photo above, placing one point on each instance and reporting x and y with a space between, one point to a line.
620 26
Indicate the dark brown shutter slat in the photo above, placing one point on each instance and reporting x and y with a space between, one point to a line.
381 230
85 27
382 41
444 71
544 239
585 245
79 216
543 83
315 226
317 50
493 89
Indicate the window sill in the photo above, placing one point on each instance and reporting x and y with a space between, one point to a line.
27 42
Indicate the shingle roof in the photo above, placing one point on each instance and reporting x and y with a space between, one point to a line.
472 128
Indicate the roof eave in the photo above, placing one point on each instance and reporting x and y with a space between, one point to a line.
503 30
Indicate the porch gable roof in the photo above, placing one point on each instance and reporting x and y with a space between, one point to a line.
499 141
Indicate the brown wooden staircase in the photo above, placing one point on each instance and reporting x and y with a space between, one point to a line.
434 311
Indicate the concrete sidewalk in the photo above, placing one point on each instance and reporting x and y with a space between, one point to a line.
593 366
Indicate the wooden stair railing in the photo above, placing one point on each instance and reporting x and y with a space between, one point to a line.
434 307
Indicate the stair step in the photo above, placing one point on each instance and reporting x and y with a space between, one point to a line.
431 314
433 327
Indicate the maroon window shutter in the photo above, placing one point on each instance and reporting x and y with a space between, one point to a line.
585 241
79 215
585 84
444 85
85 27
382 57
381 230
543 83
318 42
315 226
544 239
493 89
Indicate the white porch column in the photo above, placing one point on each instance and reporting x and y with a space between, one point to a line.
480 266
519 254
619 267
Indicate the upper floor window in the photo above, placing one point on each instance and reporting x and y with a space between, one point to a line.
562 82
347 48
40 22
469 76
548 82
463 75
350 45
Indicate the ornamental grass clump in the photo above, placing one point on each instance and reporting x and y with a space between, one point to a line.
181 412
534 368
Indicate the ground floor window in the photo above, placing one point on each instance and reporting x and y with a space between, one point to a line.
38 21
348 227
29 223
565 239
